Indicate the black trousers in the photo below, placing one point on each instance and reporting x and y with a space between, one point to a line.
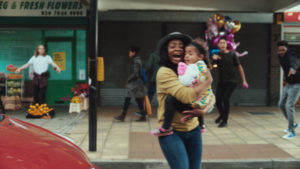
171 106
139 101
201 120
224 92
39 94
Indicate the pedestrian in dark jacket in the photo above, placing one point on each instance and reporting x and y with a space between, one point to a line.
289 62
135 85
152 67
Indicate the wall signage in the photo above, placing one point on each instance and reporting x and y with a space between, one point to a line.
42 8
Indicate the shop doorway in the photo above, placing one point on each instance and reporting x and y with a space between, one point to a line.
59 85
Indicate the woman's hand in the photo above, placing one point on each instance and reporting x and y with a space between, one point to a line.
198 112
18 70
58 70
56 67
195 112
191 114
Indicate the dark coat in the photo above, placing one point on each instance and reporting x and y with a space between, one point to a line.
290 61
135 84
152 66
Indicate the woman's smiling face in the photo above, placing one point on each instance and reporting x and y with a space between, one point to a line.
175 51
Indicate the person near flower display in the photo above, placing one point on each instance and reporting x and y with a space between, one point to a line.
40 62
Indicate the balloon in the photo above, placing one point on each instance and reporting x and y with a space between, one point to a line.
230 45
230 37
210 21
216 41
237 26
220 20
229 25
214 51
222 26
241 54
227 18
212 29
215 16
222 33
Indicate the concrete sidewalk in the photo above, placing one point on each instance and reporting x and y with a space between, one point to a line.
252 133
252 137
62 123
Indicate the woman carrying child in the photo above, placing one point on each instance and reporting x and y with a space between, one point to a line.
183 148
191 72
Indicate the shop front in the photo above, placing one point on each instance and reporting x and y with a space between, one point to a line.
61 26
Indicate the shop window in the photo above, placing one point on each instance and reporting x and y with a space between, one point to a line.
81 71
17 47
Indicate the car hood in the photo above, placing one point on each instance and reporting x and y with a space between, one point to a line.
26 146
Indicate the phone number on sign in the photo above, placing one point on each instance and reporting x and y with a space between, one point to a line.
62 13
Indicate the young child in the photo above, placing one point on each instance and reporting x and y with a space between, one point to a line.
192 72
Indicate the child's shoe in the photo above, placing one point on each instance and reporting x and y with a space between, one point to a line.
203 128
162 132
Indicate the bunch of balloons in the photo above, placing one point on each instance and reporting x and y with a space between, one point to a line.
219 26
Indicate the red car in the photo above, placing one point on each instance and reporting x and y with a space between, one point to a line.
26 146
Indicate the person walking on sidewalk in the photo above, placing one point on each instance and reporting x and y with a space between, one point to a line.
229 67
152 67
182 149
135 85
40 62
289 62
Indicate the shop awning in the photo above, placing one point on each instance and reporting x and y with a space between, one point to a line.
196 5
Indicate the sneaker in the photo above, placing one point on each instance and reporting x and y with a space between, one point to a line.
162 132
203 129
290 135
295 126
121 117
139 114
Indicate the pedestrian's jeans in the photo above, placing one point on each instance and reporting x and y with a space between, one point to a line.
287 103
183 150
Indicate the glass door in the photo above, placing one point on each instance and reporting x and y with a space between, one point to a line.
60 84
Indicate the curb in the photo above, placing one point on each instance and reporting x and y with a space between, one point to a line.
290 163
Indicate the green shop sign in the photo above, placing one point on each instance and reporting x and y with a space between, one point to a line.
47 8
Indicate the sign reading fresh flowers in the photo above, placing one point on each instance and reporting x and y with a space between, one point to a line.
49 8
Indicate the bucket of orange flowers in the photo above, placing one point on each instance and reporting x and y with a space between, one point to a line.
40 111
